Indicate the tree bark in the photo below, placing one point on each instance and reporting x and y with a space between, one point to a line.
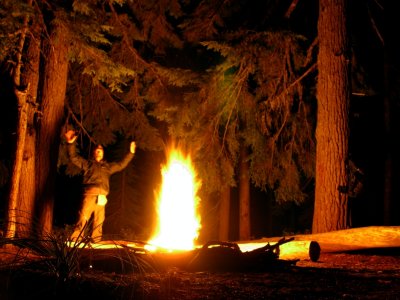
52 108
13 209
388 110
333 93
27 184
224 214
21 97
388 165
244 196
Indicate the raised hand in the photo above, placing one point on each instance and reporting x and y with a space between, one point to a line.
133 147
70 136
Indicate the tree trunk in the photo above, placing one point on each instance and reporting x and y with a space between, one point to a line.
13 209
388 178
27 181
333 92
52 107
21 97
224 214
389 35
244 196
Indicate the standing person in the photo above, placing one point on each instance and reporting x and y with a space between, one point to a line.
96 179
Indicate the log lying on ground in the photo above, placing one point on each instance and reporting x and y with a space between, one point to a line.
357 238
305 249
370 237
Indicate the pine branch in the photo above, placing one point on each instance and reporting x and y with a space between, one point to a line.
242 77
132 50
291 8
71 113
111 98
310 51
287 89
375 27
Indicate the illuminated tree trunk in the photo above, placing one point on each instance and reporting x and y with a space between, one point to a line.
21 97
27 182
224 214
333 91
244 196
52 107
13 209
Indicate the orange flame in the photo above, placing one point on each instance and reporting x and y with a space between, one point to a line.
178 221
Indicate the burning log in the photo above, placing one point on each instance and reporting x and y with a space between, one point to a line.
225 256
213 256
216 256
252 255
121 256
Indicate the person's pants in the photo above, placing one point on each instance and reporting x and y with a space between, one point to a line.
89 207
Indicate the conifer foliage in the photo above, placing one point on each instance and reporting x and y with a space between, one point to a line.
254 97
136 68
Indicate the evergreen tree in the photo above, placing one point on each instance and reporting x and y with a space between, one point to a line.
250 97
87 27
14 43
332 132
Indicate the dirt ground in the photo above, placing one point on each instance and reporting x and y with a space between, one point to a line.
372 274
343 271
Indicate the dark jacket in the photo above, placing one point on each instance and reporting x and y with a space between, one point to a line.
96 175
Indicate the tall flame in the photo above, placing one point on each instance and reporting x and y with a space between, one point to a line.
178 221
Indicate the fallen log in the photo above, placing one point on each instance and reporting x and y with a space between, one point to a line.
288 251
226 256
362 238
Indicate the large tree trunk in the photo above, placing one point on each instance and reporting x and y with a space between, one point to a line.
389 36
13 209
224 214
22 117
52 107
388 175
244 196
333 92
27 181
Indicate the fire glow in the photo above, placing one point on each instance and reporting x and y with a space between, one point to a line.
177 202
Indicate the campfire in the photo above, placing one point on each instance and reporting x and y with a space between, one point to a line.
178 218
178 224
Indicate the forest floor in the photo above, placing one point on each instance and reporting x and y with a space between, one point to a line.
359 263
